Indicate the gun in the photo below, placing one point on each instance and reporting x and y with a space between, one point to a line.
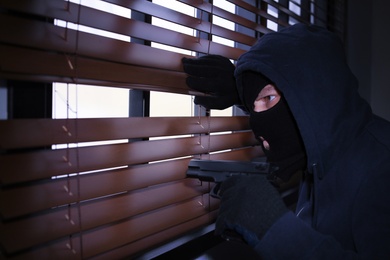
219 170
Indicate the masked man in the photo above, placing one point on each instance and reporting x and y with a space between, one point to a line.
305 110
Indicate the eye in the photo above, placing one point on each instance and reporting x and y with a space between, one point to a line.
271 97
267 98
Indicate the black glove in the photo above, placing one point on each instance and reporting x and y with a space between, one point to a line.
214 75
249 206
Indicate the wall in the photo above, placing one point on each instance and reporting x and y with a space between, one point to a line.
368 52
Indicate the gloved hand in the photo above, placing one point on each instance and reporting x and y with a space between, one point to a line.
249 206
214 75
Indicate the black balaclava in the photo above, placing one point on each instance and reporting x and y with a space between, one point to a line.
277 126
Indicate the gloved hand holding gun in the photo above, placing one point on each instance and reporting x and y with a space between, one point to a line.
250 204
218 171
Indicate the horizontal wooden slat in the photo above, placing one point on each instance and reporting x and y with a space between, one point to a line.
285 10
106 21
40 34
207 7
133 249
47 8
69 67
28 199
64 249
44 132
17 201
258 11
97 19
21 61
100 240
69 248
157 34
36 34
35 230
47 163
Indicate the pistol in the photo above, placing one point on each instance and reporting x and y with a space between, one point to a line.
218 171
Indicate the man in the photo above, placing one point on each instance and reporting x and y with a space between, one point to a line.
307 114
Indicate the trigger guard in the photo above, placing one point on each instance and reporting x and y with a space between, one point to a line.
215 191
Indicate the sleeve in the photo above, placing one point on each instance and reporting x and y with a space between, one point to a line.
291 238
372 216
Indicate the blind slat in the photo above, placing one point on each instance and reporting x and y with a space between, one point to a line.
285 10
207 7
258 11
145 225
63 222
68 41
21 61
13 202
45 164
48 8
16 202
68 11
140 245
43 132
53 37
185 20
69 248
106 21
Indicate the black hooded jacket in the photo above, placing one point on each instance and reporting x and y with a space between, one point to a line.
343 209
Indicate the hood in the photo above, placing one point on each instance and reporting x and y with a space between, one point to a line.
307 64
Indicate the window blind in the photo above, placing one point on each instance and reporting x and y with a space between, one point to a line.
68 194
39 209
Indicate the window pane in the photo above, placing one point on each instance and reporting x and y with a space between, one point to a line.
74 101
168 104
